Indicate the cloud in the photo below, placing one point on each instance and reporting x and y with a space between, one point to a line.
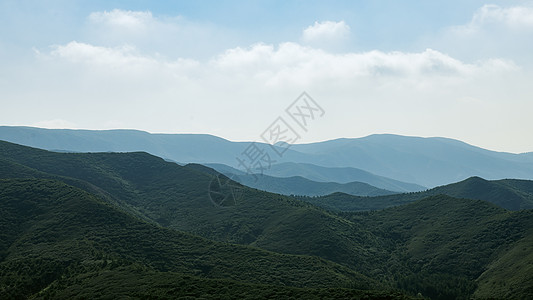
516 17
130 20
493 31
110 56
172 36
326 33
268 65
291 62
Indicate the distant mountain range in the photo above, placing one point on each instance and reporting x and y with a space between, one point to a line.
427 162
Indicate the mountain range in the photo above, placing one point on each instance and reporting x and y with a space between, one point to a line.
426 162
135 225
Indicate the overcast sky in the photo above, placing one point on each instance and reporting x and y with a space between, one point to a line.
458 69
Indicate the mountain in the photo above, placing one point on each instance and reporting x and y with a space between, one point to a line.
135 225
527 156
428 162
511 194
297 185
340 175
182 148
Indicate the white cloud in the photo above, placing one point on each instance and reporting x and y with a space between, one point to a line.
266 66
83 52
493 31
173 36
326 34
131 20
292 62
514 17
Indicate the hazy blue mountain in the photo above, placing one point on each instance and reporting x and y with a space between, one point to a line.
311 180
427 162
511 194
298 185
181 148
340 175
527 156
225 169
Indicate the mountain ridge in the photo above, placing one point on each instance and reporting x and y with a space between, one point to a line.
511 194
427 162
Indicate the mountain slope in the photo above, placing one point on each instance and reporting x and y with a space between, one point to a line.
50 230
509 276
183 198
512 194
440 235
426 161
327 175
298 185
182 148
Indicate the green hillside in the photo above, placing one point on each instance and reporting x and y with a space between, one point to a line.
509 276
182 198
56 234
453 247
512 194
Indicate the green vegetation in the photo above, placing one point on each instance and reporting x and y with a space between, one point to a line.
136 282
509 276
448 243
132 225
51 231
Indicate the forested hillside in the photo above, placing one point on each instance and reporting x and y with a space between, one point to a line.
75 222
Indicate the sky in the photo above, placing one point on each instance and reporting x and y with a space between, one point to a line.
456 69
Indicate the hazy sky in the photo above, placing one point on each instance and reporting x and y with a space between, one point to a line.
458 69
